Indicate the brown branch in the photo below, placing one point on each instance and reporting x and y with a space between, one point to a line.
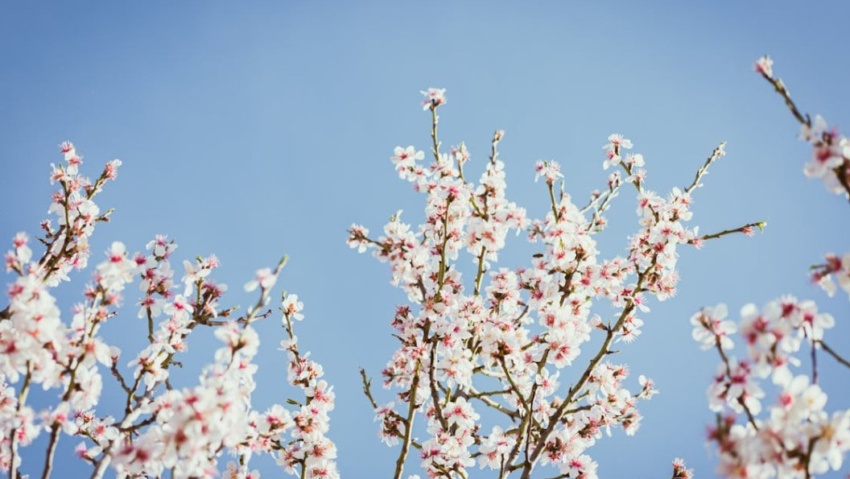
834 354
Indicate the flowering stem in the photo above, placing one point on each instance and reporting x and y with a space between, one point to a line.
554 419
435 143
13 444
367 388
408 423
746 229
50 259
484 398
715 155
511 381
628 169
150 325
552 200
128 405
438 410
480 274
719 346
120 378
840 170
780 88
51 450
54 428
601 207
442 273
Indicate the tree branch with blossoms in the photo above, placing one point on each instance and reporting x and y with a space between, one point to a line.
798 430
163 428
798 438
831 150
504 345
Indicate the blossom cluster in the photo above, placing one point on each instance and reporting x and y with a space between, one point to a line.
830 159
834 269
162 427
494 343
797 436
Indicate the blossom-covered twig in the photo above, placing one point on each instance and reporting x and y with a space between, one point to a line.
181 430
830 150
501 342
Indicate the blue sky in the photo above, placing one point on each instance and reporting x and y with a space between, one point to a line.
253 130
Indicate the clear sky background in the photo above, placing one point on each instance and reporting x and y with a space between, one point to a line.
257 129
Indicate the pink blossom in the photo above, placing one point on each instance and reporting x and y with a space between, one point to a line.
405 160
263 278
434 97
764 65
292 307
711 329
549 170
